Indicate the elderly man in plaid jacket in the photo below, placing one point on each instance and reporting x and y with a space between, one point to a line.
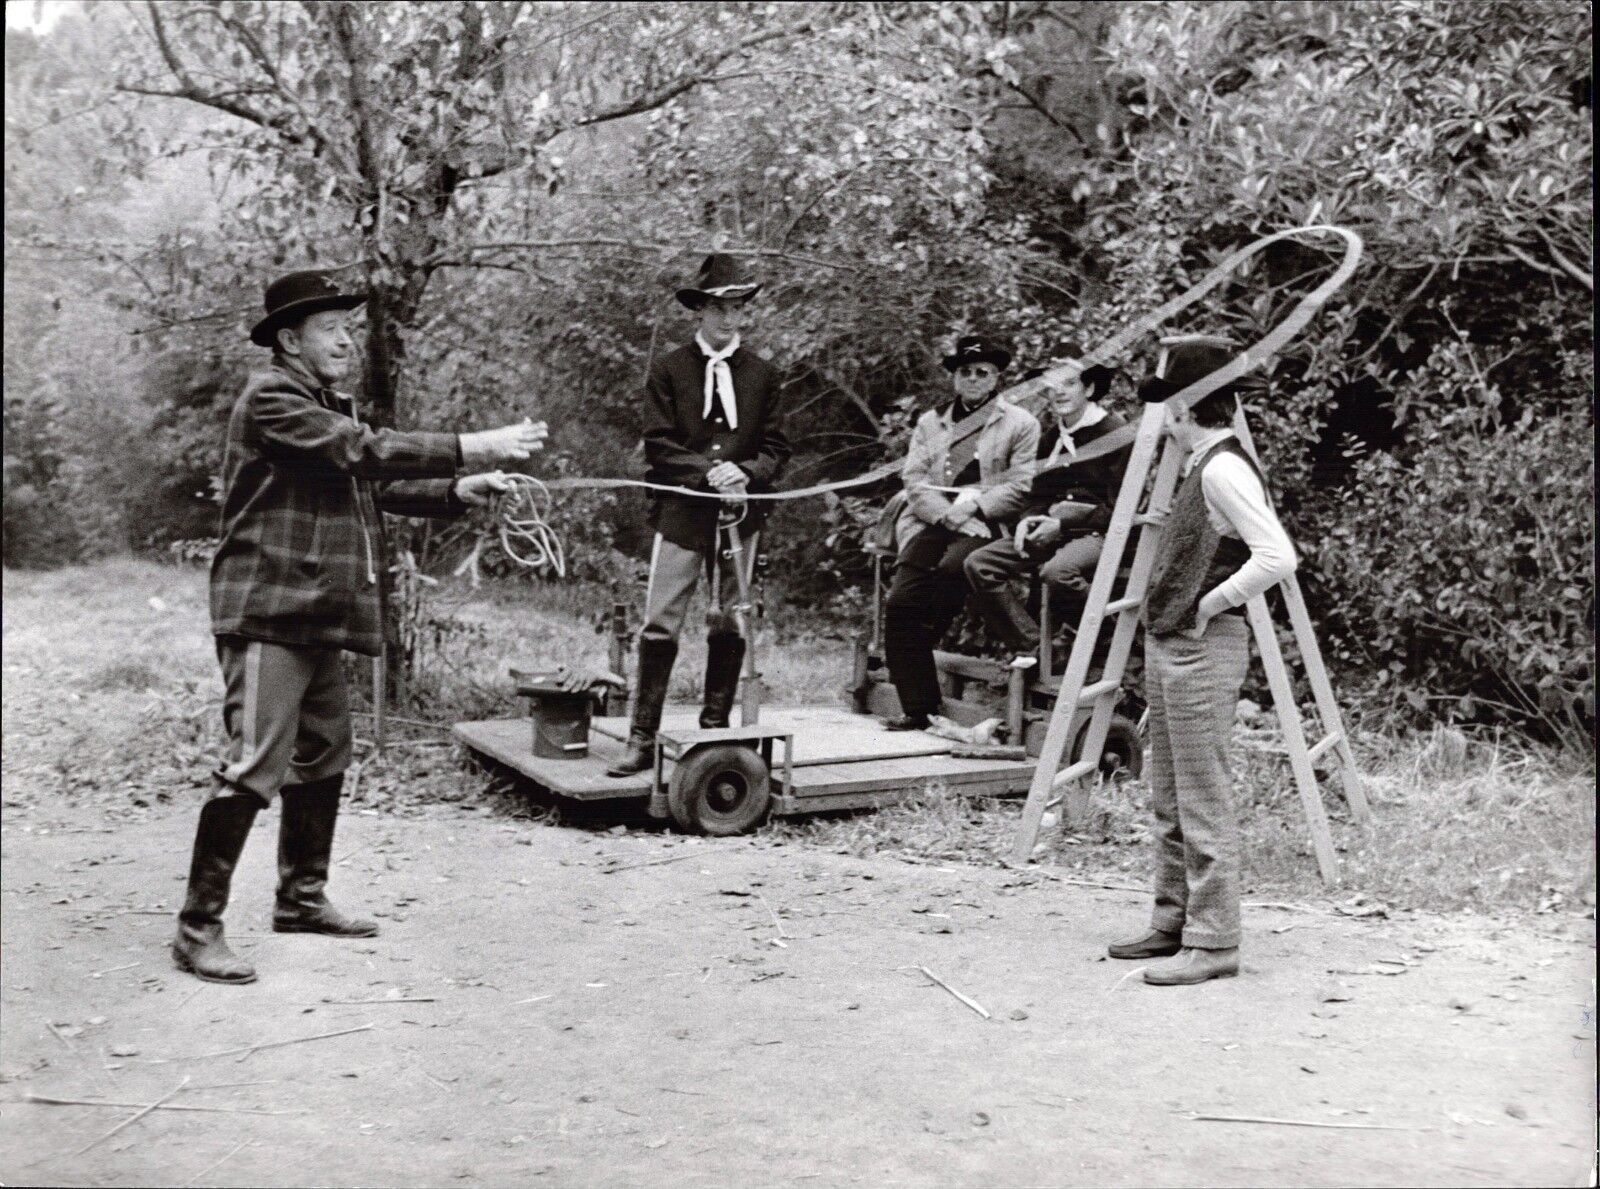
293 583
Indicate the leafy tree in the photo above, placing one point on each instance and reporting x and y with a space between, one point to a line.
1456 138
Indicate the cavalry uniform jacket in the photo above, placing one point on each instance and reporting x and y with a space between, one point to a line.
681 443
1095 481
1007 445
303 480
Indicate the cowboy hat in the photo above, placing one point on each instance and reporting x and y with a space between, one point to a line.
974 348
293 297
1184 360
719 277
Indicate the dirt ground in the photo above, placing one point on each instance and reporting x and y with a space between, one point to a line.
553 1005
748 1014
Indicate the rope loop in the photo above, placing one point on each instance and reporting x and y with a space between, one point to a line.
525 531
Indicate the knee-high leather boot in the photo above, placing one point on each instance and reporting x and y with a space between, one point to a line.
305 843
219 838
724 656
655 672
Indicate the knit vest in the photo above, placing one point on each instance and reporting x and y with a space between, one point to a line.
1192 558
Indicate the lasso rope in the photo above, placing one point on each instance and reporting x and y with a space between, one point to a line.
525 534
1030 390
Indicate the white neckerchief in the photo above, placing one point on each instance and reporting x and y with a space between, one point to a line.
719 379
1092 414
1204 444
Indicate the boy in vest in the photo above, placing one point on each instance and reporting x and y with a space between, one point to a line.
712 422
1221 545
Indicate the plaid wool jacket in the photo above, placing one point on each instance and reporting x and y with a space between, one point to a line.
303 481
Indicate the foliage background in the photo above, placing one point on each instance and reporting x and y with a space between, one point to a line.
522 186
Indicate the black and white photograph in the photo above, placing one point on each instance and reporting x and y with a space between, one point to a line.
948 594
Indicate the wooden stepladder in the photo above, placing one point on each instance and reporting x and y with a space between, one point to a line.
1069 786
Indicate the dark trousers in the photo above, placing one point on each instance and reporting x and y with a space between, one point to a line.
925 596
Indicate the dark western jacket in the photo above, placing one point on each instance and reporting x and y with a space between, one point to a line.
681 445
303 480
1192 558
1095 481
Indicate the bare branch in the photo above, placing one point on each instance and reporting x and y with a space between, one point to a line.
226 101
1567 267
670 91
1571 269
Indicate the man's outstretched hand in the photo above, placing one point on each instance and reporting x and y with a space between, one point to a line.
510 443
477 490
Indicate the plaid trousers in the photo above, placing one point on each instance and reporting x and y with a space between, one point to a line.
1192 688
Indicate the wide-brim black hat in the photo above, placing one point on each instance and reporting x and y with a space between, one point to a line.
974 348
719 277
296 296
1187 360
1096 377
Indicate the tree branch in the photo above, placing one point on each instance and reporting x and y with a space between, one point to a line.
665 94
224 101
1567 267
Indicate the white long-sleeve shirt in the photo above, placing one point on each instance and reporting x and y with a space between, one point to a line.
1237 506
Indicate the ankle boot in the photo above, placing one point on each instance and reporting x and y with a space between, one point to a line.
1193 966
1153 943
655 672
1007 617
724 655
305 842
219 838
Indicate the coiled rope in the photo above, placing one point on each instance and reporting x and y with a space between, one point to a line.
530 516
525 533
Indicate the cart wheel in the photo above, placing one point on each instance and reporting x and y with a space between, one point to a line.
720 789
1123 752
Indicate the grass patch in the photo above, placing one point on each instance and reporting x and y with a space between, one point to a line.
112 691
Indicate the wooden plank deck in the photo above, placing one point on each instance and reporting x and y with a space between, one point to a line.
822 734
835 767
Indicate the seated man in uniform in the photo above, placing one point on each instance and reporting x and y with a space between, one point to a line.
982 447
1068 509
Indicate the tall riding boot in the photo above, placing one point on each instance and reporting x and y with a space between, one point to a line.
724 656
1007 617
218 841
655 672
305 842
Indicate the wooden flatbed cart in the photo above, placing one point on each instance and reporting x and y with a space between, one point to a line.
805 759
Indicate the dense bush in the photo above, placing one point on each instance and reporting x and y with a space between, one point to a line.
900 174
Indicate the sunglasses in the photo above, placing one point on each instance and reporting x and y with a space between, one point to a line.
976 371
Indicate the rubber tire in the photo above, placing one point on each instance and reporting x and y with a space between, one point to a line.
1123 745
703 778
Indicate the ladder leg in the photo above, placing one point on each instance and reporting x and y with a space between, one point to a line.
1355 794
1316 672
1077 802
1294 739
1065 717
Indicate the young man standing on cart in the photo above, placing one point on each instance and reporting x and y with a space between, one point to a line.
294 584
712 423
1221 545
1068 509
982 448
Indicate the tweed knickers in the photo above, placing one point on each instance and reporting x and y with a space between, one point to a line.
1192 688
287 713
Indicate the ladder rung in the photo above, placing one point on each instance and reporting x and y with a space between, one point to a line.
1126 603
1327 745
1081 768
1093 693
